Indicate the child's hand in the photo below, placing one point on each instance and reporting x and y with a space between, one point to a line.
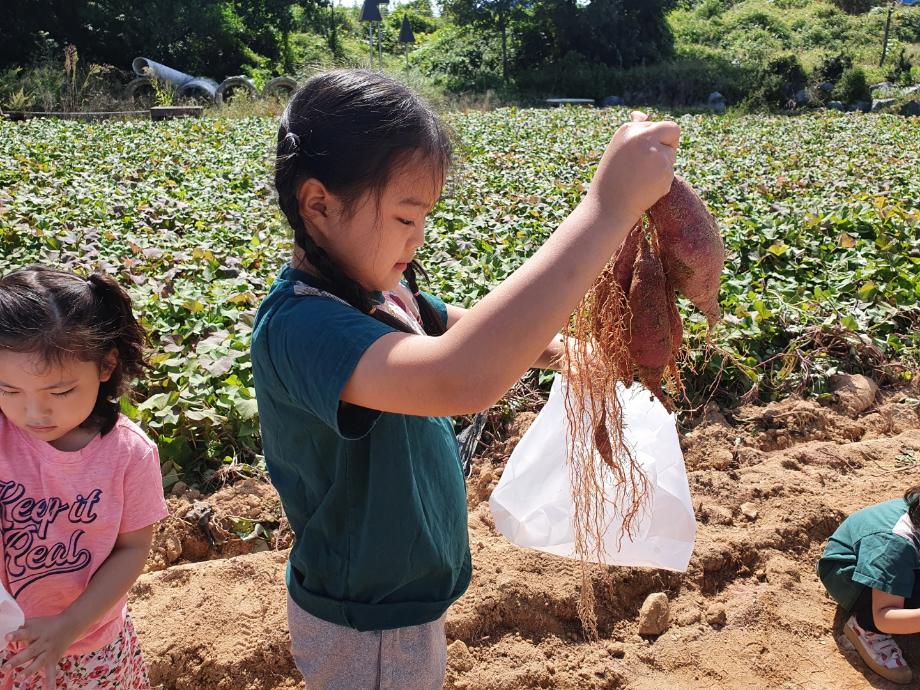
637 168
45 639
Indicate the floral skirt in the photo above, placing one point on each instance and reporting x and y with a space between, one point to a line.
117 666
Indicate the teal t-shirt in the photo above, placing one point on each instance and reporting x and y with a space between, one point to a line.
376 501
874 547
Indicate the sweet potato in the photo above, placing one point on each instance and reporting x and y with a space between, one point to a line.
677 326
625 258
691 248
650 326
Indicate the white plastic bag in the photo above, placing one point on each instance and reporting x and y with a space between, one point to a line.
11 616
533 506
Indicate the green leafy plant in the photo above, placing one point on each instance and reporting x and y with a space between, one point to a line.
820 216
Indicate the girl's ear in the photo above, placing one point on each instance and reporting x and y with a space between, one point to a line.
314 203
108 365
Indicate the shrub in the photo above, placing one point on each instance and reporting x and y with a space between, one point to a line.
852 86
900 70
832 67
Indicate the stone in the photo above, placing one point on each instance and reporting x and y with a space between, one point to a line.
854 393
459 657
911 90
716 102
749 510
880 103
826 86
612 101
884 87
173 549
801 97
836 105
715 615
910 109
862 106
655 614
616 650
179 488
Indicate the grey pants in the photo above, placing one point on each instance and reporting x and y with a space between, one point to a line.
333 657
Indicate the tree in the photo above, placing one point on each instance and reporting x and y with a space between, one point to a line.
488 15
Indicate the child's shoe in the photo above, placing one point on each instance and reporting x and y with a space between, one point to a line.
880 652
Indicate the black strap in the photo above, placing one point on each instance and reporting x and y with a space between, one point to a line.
469 439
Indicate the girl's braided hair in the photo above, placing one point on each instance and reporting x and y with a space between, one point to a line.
349 129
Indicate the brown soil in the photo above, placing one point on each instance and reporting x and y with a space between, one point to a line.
749 613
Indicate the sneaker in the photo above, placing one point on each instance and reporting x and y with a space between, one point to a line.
880 652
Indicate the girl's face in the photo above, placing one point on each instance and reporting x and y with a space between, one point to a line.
49 401
374 240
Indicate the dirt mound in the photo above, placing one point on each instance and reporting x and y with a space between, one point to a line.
769 485
239 519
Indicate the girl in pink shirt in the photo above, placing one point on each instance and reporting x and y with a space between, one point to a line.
80 484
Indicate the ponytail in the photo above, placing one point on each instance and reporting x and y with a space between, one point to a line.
128 340
57 315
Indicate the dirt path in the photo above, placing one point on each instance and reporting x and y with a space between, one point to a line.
749 613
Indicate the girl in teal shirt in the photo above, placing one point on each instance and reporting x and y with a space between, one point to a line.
357 370
870 567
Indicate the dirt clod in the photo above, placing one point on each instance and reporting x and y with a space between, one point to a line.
715 615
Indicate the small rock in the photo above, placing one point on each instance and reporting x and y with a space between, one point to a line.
716 102
715 615
855 393
862 106
826 86
179 488
836 105
173 548
612 101
880 103
801 97
655 614
749 510
884 87
910 109
459 657
616 650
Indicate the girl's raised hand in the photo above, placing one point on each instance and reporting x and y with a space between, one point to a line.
637 168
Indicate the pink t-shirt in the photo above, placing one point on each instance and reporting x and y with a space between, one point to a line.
60 514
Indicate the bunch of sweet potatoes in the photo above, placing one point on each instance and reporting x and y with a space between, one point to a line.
679 249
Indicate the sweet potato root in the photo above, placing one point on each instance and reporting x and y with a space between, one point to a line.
691 247
650 326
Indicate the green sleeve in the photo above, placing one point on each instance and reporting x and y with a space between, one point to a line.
885 561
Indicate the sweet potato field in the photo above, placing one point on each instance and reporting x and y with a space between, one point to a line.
820 215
